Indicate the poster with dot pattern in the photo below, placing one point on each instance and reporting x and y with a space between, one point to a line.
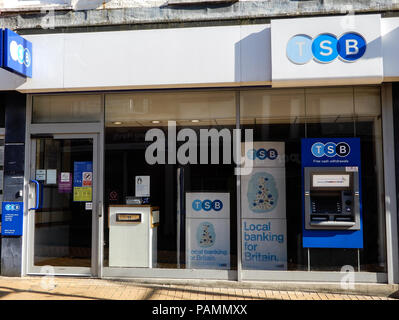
263 194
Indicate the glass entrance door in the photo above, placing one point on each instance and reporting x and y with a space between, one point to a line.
63 204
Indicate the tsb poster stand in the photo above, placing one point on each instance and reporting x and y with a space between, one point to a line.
207 230
263 205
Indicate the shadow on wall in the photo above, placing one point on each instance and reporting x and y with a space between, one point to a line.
253 57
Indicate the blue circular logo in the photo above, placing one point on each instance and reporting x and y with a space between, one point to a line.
27 58
197 205
329 149
272 154
217 205
207 205
299 49
351 46
21 54
324 48
318 149
261 154
251 154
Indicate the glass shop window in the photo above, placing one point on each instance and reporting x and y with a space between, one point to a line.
66 108
312 200
170 187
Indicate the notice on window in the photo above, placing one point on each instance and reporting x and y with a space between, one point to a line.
142 186
40 175
51 176
82 181
65 182
82 194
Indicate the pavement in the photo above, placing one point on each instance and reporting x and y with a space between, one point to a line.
68 288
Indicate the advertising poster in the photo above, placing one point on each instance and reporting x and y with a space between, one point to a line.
264 244
263 207
208 244
82 181
263 194
208 230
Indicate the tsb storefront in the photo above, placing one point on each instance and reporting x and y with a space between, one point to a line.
253 152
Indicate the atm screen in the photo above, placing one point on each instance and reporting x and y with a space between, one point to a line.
326 204
331 180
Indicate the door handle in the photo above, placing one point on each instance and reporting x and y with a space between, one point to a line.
37 204
100 209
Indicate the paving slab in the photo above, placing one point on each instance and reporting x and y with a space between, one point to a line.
64 288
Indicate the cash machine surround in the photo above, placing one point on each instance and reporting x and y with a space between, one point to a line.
332 198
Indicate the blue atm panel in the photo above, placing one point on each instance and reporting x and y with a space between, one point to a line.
331 193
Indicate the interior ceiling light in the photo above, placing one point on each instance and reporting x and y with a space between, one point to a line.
156 121
117 122
195 121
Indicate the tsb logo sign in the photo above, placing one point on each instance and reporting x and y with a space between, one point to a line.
207 205
330 149
262 154
12 207
325 48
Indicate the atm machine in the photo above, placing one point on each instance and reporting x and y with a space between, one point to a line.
133 235
331 190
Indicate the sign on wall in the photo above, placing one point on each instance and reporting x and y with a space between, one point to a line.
207 230
12 218
17 53
326 50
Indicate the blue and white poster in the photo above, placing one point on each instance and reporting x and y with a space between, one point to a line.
263 208
207 244
264 244
17 54
207 230
12 218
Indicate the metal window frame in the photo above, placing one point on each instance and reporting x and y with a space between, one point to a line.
94 131
235 275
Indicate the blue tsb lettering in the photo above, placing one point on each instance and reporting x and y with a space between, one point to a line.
262 154
325 48
207 205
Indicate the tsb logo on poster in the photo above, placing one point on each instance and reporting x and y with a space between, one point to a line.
330 149
207 205
325 48
262 154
